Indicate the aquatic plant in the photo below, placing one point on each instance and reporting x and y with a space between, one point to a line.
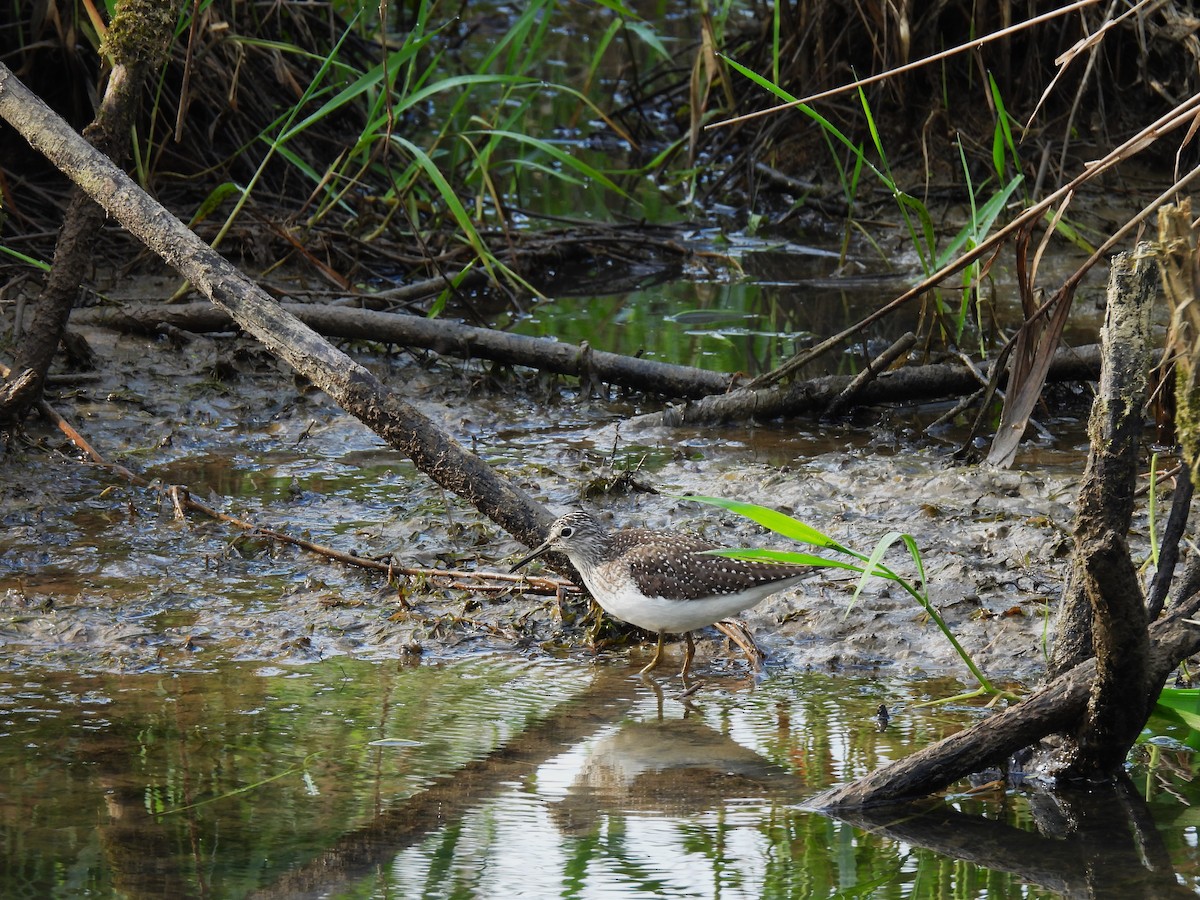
868 565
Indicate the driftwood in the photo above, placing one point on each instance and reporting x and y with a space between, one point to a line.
829 395
914 384
447 338
354 388
1056 707
1102 611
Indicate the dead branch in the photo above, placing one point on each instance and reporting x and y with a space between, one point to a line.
184 499
1119 702
914 384
453 339
353 387
137 40
440 335
847 397
1056 707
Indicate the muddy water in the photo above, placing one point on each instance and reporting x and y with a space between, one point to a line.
189 712
185 712
498 776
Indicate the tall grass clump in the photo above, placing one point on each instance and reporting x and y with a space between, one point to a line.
986 201
429 126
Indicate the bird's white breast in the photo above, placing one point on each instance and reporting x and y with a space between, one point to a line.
626 603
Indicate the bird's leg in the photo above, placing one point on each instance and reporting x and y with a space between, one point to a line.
653 664
688 654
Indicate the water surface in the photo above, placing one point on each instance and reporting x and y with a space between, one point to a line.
496 776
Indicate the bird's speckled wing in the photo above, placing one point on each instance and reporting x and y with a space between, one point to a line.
685 572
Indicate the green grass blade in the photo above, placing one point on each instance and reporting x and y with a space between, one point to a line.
826 126
1003 138
778 522
619 8
789 557
984 220
450 198
25 258
588 172
648 36
787 526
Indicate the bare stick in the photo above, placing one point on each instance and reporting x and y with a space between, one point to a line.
349 384
183 497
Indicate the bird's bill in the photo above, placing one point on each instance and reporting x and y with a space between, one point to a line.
544 548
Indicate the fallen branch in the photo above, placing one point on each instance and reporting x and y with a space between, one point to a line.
913 384
349 384
829 395
183 499
439 335
880 364
137 42
1108 604
1056 706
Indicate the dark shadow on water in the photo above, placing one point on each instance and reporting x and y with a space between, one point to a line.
1097 843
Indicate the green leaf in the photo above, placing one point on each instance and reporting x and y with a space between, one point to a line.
788 557
450 198
650 38
981 223
1184 703
778 522
214 199
28 260
557 153
793 528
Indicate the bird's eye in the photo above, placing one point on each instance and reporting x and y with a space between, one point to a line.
566 532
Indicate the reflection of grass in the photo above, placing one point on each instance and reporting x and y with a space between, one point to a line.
739 328
1180 705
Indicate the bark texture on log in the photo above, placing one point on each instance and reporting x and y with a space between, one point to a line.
1111 613
349 384
1106 496
1056 707
1179 263
919 383
439 335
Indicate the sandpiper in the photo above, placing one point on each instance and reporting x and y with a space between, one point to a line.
661 581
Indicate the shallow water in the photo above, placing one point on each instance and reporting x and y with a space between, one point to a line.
497 776
263 744
276 733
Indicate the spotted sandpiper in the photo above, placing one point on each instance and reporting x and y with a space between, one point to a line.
662 581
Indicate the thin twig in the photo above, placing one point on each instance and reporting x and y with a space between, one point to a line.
181 496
